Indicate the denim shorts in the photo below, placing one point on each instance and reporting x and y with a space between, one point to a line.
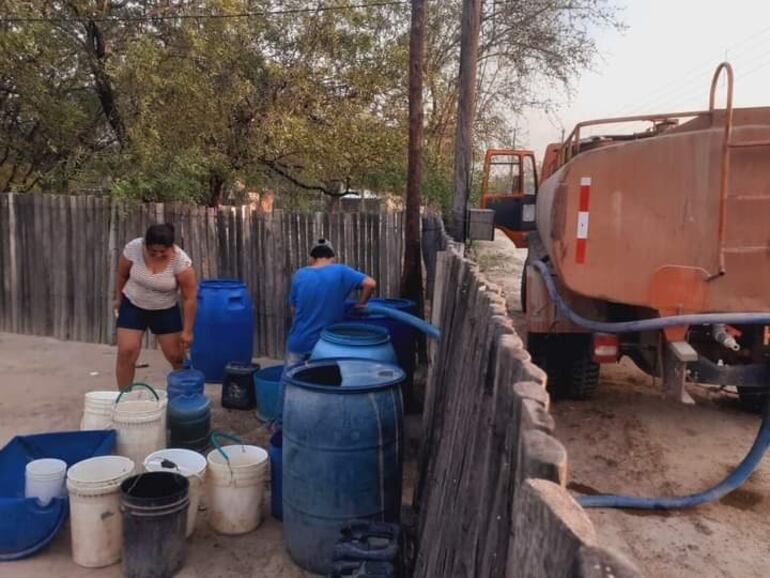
160 322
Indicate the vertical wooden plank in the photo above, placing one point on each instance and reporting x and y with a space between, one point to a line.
24 253
60 270
237 215
221 231
268 294
4 306
258 280
113 254
13 262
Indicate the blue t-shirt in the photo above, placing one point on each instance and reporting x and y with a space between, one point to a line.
318 296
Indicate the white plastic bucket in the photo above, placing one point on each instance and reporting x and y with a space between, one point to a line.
99 406
190 464
95 519
140 427
97 410
44 479
235 488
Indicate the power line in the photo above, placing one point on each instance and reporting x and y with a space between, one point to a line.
689 80
18 19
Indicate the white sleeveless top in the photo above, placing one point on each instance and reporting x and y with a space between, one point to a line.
148 290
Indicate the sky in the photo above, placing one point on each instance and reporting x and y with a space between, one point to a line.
663 62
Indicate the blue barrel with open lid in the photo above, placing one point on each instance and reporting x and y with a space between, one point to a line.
355 340
224 327
342 453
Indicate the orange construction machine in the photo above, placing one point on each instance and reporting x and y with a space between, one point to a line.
654 245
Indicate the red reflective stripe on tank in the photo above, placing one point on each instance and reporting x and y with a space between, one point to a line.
582 220
585 193
580 251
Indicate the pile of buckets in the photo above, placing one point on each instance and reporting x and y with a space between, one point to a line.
333 462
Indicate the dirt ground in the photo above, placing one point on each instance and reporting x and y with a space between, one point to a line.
42 382
630 440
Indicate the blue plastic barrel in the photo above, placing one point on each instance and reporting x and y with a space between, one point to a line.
342 453
275 451
189 421
224 327
402 336
185 381
356 340
267 386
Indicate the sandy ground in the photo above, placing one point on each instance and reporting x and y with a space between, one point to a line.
42 382
630 440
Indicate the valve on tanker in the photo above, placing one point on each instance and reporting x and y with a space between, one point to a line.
723 336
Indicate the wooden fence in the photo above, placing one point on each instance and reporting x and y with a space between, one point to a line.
490 499
58 256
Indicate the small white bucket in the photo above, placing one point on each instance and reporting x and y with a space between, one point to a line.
97 410
236 487
95 519
140 427
190 464
44 479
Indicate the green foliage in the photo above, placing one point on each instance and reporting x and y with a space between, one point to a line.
107 96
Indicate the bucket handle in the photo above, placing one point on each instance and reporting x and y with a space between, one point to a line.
213 438
138 384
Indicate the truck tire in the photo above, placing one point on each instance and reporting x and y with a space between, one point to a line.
584 377
566 359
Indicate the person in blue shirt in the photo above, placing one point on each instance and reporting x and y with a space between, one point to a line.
317 299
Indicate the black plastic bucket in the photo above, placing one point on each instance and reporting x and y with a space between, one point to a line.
154 509
238 386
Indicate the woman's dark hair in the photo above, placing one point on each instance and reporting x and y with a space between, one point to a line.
322 252
162 234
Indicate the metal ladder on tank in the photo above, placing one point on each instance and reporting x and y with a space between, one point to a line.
727 148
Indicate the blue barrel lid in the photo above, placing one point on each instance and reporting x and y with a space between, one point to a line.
344 375
355 334
241 368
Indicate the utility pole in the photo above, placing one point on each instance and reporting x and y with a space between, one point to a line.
411 278
466 108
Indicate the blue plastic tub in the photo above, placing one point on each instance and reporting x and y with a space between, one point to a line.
25 527
267 386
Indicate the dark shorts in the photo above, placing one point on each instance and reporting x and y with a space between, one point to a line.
160 322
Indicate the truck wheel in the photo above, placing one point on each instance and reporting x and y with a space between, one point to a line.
566 358
546 354
584 377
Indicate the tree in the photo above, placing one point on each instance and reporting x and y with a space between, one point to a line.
131 97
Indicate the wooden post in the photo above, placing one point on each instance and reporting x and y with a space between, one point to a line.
411 276
466 106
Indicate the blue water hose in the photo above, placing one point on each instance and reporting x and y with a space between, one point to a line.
419 324
731 482
747 465
759 317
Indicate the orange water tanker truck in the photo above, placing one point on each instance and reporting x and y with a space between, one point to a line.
653 245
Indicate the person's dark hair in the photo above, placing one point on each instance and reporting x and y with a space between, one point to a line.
322 250
162 234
